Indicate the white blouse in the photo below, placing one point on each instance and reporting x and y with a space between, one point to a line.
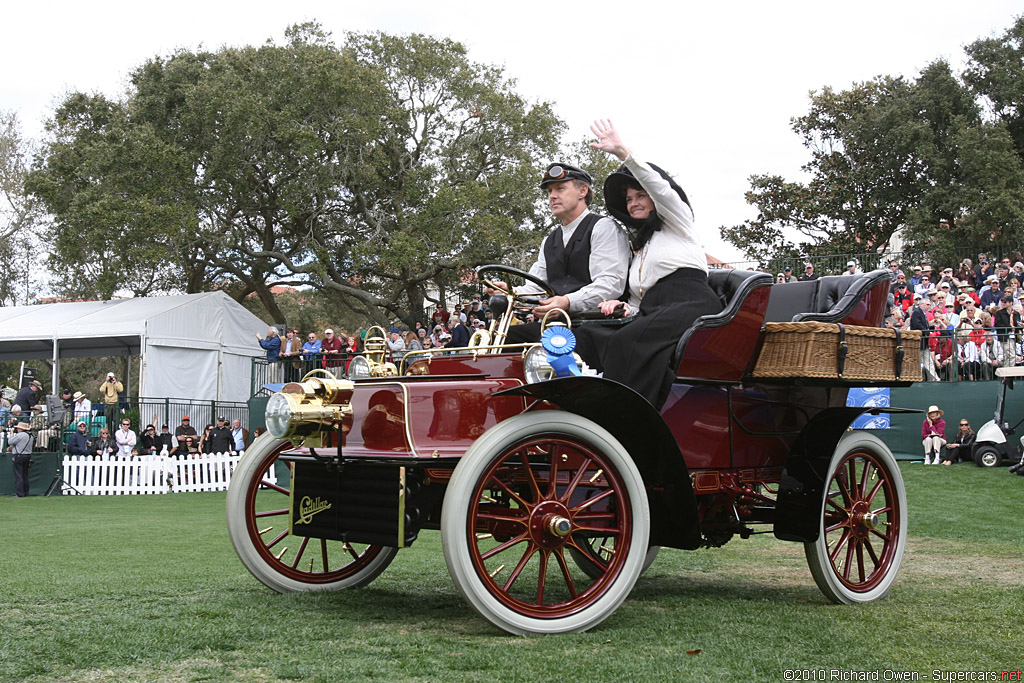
672 247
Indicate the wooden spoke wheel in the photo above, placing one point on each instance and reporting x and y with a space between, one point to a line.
863 523
258 516
530 492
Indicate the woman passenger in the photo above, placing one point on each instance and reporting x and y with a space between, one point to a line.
668 275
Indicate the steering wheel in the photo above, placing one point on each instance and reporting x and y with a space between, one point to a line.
545 289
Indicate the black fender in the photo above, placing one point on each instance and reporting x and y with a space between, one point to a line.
639 428
798 505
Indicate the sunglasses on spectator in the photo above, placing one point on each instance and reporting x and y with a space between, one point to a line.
964 424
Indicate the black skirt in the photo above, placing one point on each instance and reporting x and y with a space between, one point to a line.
638 354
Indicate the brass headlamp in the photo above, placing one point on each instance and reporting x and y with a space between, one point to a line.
302 411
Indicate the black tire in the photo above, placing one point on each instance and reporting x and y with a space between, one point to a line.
988 456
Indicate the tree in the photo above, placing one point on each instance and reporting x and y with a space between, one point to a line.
366 171
19 215
996 73
889 156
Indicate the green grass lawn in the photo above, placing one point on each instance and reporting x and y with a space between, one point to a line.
149 588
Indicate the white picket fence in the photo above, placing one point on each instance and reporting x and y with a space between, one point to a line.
94 476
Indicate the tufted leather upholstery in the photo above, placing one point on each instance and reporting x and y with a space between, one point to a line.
838 295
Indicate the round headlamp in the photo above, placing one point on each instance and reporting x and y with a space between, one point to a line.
359 368
536 367
279 415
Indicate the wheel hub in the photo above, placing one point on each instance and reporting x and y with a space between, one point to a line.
550 525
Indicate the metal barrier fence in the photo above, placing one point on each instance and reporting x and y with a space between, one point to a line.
293 369
150 474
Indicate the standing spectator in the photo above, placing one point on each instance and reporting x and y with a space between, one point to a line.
1007 322
459 333
125 439
28 397
166 440
239 436
851 268
289 355
311 347
941 344
183 430
809 273
412 342
149 441
959 449
220 437
78 442
330 347
272 344
351 344
82 407
20 446
990 294
395 342
780 279
110 390
933 435
915 280
205 445
103 446
894 270
966 272
787 273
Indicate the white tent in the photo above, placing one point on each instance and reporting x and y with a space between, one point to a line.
196 346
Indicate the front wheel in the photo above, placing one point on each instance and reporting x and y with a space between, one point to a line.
988 456
863 529
521 499
258 523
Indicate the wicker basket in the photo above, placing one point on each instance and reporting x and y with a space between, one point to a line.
816 350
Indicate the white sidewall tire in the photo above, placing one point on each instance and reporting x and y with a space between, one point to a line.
251 465
817 552
454 520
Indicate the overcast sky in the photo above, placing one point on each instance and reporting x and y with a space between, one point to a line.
705 90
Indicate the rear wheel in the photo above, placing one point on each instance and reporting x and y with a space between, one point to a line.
521 499
258 523
863 529
987 456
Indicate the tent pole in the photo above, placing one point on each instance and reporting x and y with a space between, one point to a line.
55 370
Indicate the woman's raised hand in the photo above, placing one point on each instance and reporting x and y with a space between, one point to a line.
608 139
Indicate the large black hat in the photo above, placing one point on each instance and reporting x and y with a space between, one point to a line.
617 183
558 172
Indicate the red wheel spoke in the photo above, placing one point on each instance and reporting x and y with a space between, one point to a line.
569 583
587 503
863 488
838 525
844 491
874 491
274 487
531 478
884 537
278 539
850 545
594 516
298 555
506 489
271 513
553 474
860 560
494 517
842 541
871 552
600 530
575 481
504 546
882 511
523 561
323 553
542 575
851 480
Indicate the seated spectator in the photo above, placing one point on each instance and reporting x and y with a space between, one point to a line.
959 449
967 357
78 442
990 355
982 271
894 270
166 440
941 345
915 280
965 273
933 435
924 286
82 407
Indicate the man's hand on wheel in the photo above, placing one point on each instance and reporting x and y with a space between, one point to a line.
554 302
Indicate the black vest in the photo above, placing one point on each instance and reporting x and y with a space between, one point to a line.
568 266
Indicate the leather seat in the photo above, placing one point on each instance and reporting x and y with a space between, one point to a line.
831 299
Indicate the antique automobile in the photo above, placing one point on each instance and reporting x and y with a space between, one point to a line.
553 490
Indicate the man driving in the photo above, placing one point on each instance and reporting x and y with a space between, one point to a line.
585 259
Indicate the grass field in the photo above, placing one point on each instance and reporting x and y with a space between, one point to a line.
149 588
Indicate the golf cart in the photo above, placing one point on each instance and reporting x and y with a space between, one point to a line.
993 443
